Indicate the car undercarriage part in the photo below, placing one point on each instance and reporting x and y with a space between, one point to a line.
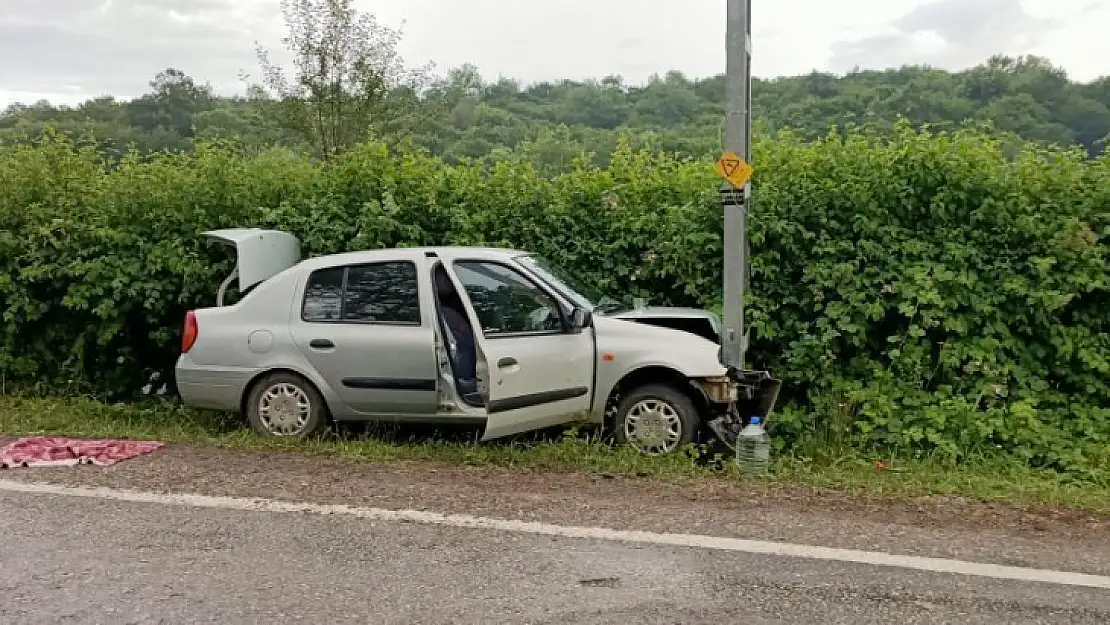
719 390
757 393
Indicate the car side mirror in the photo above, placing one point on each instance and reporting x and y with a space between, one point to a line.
580 318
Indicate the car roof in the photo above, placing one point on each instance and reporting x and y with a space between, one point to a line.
394 253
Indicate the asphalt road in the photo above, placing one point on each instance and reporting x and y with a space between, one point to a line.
85 560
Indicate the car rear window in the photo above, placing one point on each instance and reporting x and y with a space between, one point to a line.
375 293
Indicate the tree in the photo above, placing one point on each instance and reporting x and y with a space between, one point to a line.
348 79
463 115
171 106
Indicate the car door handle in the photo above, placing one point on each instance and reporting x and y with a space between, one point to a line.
505 363
321 344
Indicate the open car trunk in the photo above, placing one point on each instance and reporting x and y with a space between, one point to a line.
259 255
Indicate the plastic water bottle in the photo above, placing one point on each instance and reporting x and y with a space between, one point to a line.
753 448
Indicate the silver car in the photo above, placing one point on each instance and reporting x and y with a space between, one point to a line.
492 337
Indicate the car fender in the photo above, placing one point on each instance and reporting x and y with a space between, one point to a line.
626 347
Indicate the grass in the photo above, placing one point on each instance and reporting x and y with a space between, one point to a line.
989 479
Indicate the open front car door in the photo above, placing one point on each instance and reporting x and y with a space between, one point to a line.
539 362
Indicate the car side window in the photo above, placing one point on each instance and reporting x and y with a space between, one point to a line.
323 297
383 293
506 302
373 293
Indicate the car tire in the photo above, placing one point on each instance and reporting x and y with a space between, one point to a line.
656 419
285 405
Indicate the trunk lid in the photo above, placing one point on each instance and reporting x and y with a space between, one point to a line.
259 255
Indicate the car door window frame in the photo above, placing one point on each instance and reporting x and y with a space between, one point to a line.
564 320
419 304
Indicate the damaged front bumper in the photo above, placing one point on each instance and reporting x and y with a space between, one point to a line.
738 396
752 393
758 392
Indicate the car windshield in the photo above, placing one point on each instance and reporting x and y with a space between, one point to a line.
572 288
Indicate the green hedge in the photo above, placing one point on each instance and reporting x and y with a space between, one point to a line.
915 291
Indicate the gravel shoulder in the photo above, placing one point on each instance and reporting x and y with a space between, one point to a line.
1052 538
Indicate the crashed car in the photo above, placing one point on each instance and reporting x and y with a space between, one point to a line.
493 337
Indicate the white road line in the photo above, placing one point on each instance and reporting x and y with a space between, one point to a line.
919 563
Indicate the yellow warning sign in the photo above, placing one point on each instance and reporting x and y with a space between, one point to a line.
733 169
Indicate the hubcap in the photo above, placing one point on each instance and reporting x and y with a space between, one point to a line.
284 409
653 427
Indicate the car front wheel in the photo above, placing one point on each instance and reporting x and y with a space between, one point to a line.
285 405
656 420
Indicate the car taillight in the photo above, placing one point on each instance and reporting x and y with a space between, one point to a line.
189 336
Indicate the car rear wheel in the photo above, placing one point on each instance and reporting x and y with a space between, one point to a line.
656 420
285 405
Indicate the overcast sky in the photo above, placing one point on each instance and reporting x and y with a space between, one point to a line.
70 50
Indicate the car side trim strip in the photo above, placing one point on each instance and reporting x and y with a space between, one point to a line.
390 384
536 399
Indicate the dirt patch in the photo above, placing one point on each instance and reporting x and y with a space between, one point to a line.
936 526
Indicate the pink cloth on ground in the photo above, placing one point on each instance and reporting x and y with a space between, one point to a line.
41 451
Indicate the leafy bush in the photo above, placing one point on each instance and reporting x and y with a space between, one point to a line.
915 291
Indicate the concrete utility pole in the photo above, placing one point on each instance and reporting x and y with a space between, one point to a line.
738 139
